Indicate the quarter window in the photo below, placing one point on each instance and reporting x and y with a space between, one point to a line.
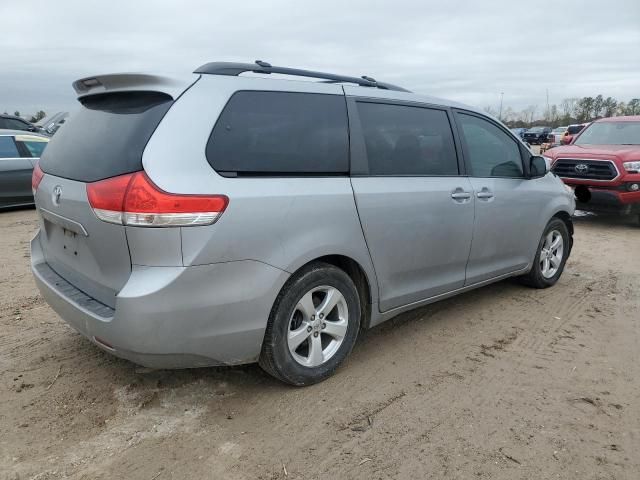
405 140
491 152
33 146
8 148
281 133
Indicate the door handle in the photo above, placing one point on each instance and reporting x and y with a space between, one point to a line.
485 194
459 195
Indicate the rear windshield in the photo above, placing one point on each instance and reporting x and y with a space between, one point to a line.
106 137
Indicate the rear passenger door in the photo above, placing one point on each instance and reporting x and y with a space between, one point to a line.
415 208
15 173
507 203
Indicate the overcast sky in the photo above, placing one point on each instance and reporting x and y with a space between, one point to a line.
468 51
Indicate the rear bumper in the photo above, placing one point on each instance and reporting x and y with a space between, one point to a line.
172 317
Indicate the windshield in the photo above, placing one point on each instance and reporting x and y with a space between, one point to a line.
611 133
535 130
561 129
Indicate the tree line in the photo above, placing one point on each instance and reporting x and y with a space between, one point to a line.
34 118
570 110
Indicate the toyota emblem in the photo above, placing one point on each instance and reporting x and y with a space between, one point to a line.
582 168
57 191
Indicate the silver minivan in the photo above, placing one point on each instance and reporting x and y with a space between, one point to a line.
256 213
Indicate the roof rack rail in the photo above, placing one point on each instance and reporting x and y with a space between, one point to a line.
234 69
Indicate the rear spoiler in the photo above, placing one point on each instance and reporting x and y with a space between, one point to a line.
122 82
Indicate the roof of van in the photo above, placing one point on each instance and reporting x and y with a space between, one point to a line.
363 86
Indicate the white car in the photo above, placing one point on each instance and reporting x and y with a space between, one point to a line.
558 133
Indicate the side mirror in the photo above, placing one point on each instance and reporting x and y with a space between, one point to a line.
538 166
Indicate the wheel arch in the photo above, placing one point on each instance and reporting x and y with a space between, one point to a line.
359 276
566 219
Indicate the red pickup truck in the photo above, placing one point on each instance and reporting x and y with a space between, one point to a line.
602 164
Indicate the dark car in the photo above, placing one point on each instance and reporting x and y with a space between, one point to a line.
19 153
11 122
537 135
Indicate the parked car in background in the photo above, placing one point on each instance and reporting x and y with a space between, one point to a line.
11 122
572 131
536 135
19 152
519 131
556 135
298 213
603 166
50 125
553 139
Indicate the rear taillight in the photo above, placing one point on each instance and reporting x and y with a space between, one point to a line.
36 178
133 199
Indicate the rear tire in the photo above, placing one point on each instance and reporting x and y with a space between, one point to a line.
550 257
312 327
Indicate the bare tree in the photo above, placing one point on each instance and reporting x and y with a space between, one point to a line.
554 115
491 111
508 115
529 112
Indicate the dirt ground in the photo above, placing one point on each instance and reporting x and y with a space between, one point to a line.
504 383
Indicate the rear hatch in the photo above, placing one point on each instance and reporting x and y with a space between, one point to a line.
104 139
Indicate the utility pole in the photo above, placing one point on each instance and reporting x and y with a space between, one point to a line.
548 115
500 114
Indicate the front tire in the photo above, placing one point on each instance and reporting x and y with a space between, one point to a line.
551 256
312 327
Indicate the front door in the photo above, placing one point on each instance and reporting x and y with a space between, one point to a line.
506 203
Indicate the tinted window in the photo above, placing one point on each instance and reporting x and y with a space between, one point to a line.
34 146
491 151
404 140
281 132
13 124
8 148
106 137
575 129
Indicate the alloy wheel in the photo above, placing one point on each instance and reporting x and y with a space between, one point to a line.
551 254
317 326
